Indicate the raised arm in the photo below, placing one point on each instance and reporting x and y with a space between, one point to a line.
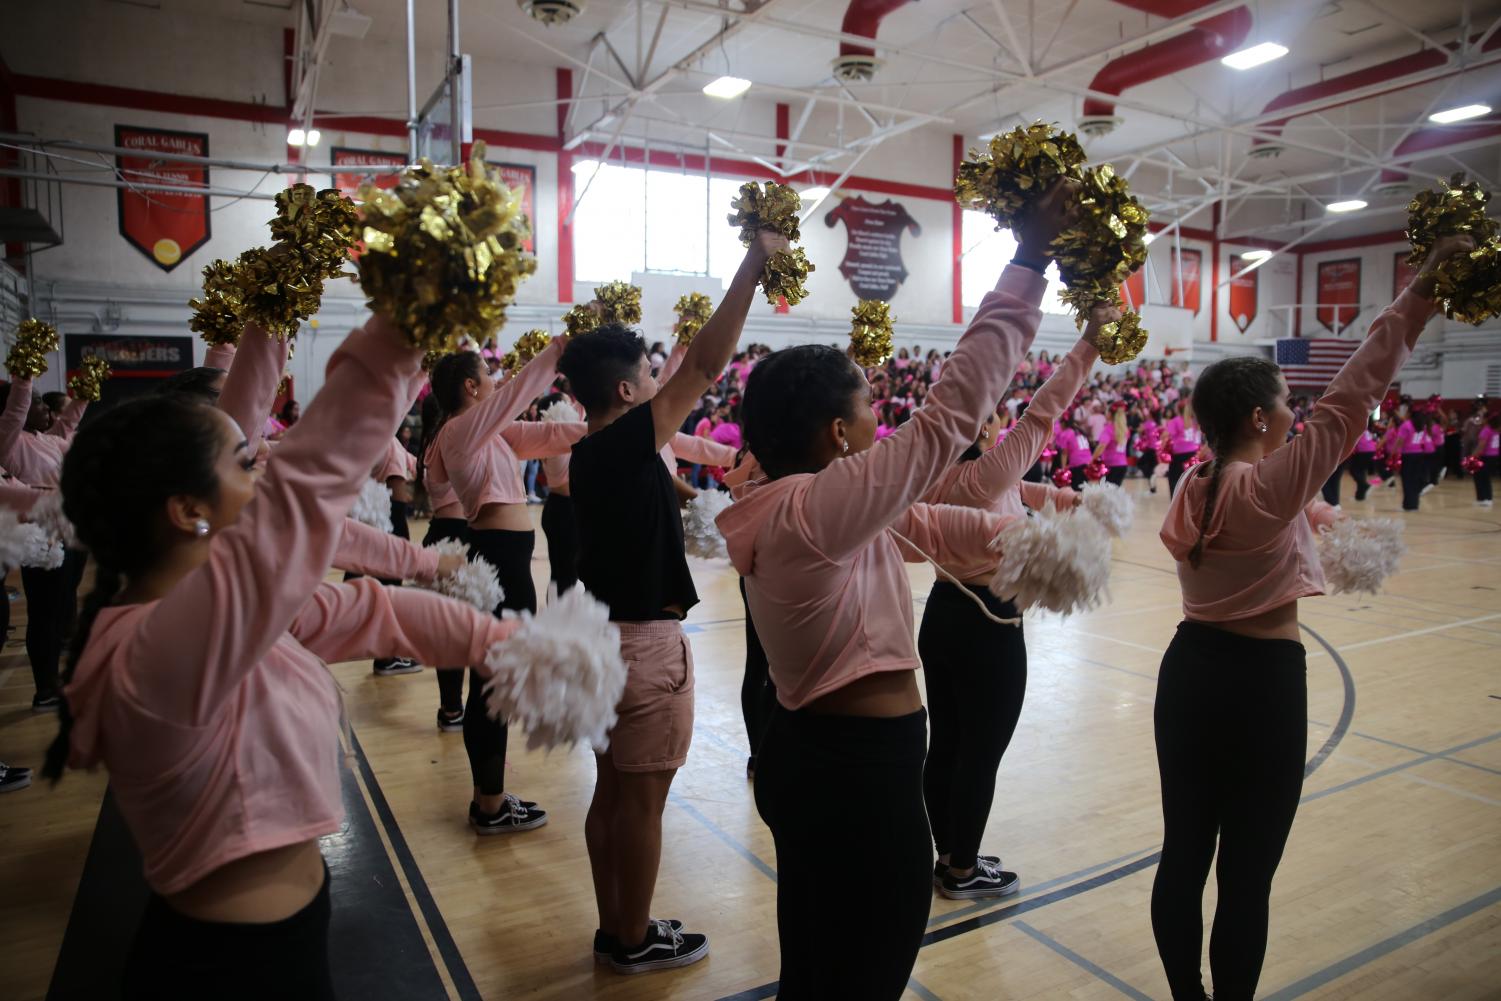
713 346
378 554
956 538
704 451
250 387
219 356
218 622
66 424
1039 495
362 619
13 422
499 409
543 439
20 499
673 363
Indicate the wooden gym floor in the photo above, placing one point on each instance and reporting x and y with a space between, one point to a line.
1390 888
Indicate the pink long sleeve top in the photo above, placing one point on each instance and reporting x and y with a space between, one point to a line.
212 707
20 499
990 483
66 425
34 459
700 450
824 570
1039 495
369 551
474 455
249 392
1259 552
440 493
395 464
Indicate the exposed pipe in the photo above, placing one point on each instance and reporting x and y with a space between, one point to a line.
1209 39
1436 138
862 17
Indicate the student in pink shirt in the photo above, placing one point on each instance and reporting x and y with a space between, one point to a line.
1362 462
1184 439
1111 449
1073 448
1231 716
1488 451
1146 448
1409 442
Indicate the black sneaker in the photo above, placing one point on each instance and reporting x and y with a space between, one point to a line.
513 816
605 943
986 881
941 869
665 948
450 723
45 703
398 665
13 778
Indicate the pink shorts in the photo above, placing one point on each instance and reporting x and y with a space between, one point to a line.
656 710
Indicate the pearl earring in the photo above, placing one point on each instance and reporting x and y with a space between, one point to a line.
844 446
1261 428
200 528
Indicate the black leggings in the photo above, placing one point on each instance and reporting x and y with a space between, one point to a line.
1414 478
1175 470
401 530
844 794
1483 476
758 696
562 534
450 679
976 672
1435 467
1360 469
51 605
1115 474
1232 728
1331 485
175 956
1076 478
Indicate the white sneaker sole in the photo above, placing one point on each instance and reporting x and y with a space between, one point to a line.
17 785
979 893
530 825
671 963
391 672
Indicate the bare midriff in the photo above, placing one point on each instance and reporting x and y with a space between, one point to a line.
885 694
1280 623
257 889
502 518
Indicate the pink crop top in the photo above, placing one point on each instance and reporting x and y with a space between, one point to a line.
1259 553
34 459
823 570
212 707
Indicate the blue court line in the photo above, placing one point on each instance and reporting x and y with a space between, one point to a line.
1416 750
1346 710
1354 962
1382 773
921 991
1080 961
723 835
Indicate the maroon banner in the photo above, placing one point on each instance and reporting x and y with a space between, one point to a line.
1187 266
522 177
1402 273
1135 289
873 257
1244 291
1338 293
165 226
370 167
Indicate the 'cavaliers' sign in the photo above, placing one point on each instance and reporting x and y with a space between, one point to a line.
166 226
873 259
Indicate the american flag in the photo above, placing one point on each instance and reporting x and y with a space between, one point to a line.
1310 362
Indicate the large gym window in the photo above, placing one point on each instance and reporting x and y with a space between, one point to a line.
986 254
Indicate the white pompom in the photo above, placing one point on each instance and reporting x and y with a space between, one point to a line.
373 506
1358 554
476 583
1061 564
1109 505
48 512
562 412
560 675
701 535
23 544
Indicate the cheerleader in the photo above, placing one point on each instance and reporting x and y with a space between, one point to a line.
558 526
1111 450
396 470
840 767
1408 442
1183 438
1146 449
1362 461
1231 715
197 674
1488 451
1433 447
1073 446
447 522
976 669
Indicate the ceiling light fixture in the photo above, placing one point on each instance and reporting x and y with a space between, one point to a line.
585 166
296 137
314 137
1460 114
1255 55
1256 255
1353 205
727 87
1149 238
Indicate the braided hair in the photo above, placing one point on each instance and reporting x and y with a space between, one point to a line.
1225 395
116 477
790 396
447 398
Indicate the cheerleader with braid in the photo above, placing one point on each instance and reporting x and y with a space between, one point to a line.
1231 716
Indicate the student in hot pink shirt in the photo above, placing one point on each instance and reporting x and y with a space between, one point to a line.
1184 439
1073 448
1488 451
1232 698
1111 449
1410 442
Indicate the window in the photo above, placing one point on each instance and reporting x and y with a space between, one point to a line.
986 254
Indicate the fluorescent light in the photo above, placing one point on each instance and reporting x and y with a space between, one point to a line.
1254 56
314 137
1256 255
814 194
1353 205
1149 238
727 87
296 137
585 166
1460 114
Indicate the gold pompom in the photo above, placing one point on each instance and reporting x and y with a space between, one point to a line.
431 358
775 207
1467 287
35 340
1101 250
284 386
443 251
216 317
510 362
580 320
693 310
88 382
870 334
530 344
1017 168
276 291
319 227
1121 340
619 302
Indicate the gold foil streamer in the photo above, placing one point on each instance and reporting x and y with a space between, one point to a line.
275 290
774 206
319 227
283 387
619 302
88 382
216 317
1017 168
510 362
1121 340
443 251
870 334
530 344
693 310
1101 249
431 358
1468 286
35 340
580 320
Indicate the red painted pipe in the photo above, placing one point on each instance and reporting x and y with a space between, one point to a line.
1436 138
1213 38
863 17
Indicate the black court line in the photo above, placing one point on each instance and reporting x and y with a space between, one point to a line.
1346 712
375 946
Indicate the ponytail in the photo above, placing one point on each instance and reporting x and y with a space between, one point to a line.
1196 554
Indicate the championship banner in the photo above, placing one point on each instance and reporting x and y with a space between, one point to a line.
1244 291
138 363
873 257
1135 289
1402 273
1338 293
522 177
165 226
366 166
1187 265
